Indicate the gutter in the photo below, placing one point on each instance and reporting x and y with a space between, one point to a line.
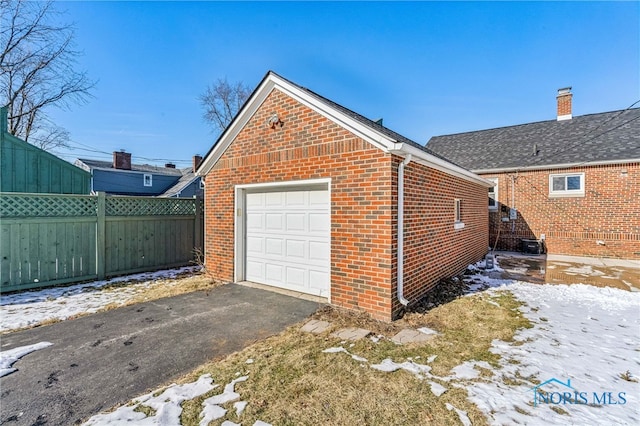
556 166
400 222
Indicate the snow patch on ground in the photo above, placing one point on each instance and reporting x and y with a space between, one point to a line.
10 357
588 335
30 308
462 415
212 409
167 405
341 349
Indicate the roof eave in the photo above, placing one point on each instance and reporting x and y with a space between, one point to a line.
434 162
555 166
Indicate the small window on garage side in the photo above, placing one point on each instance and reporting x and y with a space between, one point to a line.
566 185
458 224
148 179
493 195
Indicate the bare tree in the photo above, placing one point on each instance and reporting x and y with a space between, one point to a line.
37 70
222 101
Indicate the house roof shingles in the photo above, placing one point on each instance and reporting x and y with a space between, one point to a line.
603 137
145 168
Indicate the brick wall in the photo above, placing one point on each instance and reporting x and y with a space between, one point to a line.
363 206
309 146
433 248
608 212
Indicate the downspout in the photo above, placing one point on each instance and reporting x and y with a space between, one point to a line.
400 289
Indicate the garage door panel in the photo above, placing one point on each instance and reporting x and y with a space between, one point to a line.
254 221
296 198
318 251
295 222
288 240
319 222
255 270
254 245
295 276
273 246
274 272
318 279
273 221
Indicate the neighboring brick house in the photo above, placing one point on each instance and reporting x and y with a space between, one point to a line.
573 182
304 194
122 177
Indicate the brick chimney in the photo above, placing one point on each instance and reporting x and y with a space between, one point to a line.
564 104
121 160
196 162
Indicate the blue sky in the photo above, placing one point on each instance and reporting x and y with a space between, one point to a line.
427 68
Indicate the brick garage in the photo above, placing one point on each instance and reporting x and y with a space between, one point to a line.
287 139
595 160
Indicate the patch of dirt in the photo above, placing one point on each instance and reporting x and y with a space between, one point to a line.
447 290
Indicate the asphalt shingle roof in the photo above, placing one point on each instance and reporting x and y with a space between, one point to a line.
146 168
367 122
608 136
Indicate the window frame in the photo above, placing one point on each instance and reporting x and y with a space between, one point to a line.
580 192
457 214
144 179
495 194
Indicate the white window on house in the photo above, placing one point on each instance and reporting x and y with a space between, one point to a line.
566 185
458 224
493 194
148 179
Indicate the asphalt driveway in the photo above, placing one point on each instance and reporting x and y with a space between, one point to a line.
105 359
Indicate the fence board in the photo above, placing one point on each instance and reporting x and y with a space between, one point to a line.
56 239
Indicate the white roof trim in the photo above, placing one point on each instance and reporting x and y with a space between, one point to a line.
557 166
423 157
377 139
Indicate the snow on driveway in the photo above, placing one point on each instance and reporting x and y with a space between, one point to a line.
30 308
10 357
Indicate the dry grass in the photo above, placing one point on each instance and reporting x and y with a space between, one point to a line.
291 382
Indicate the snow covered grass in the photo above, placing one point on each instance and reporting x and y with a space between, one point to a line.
39 307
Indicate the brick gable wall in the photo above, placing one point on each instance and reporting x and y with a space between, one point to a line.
609 212
309 146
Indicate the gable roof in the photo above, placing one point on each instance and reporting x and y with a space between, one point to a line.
609 137
142 168
371 131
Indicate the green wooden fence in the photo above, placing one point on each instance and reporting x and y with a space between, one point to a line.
50 239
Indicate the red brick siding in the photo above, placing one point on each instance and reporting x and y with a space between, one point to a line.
363 206
609 212
309 146
433 248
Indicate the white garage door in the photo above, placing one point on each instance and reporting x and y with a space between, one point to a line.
288 240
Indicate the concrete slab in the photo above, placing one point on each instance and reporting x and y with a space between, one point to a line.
315 326
411 336
351 333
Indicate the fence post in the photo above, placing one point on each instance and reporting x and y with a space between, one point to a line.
100 236
197 225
